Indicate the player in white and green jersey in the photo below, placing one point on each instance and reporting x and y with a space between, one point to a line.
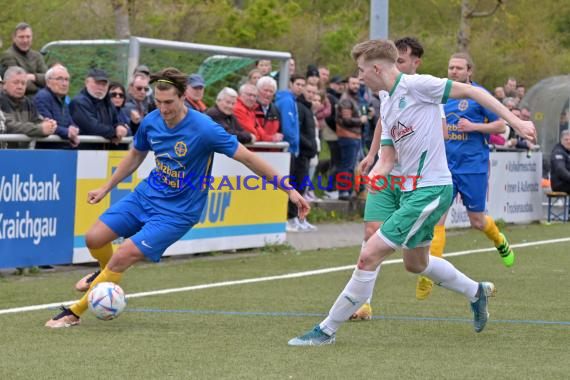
411 128
380 205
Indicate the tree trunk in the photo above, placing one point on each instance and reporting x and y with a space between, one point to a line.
121 10
464 35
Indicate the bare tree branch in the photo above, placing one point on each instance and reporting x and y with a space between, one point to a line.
474 14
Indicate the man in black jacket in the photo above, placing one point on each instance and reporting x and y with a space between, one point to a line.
93 111
560 164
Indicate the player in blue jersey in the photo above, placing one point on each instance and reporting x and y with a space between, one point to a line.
469 126
169 202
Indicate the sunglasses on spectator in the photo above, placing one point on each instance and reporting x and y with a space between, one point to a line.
117 95
140 88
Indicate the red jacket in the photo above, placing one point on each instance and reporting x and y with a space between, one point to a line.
269 123
246 118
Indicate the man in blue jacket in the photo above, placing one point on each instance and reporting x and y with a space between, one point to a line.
51 103
93 111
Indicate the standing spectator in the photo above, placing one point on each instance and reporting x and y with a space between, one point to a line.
499 93
51 104
264 66
20 54
324 75
138 103
93 111
312 76
307 146
521 91
329 135
20 112
253 76
286 104
223 114
560 164
510 87
195 93
266 112
244 111
118 96
349 131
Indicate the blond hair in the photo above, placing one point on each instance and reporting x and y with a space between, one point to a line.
375 49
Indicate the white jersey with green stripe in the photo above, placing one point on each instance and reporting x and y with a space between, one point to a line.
411 122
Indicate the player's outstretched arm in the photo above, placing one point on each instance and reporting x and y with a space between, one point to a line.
525 129
263 169
126 167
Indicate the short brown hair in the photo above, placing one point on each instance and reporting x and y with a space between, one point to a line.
375 49
466 57
170 78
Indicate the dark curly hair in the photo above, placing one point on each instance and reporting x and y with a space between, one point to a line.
168 78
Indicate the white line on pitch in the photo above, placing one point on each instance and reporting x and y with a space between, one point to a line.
271 278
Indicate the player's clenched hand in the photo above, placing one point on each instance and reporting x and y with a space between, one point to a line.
94 196
526 130
302 205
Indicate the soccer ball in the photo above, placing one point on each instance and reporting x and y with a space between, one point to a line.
107 300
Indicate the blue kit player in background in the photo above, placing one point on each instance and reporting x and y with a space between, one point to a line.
169 202
469 126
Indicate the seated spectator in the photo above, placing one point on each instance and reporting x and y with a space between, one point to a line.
195 93
244 111
118 96
51 104
560 164
223 114
20 54
264 66
510 103
21 114
266 112
93 111
515 141
138 103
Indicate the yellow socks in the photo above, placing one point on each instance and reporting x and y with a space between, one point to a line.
438 241
492 232
106 275
103 254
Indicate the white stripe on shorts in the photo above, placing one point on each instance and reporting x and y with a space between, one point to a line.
423 216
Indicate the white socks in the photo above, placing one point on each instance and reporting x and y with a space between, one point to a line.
356 292
443 273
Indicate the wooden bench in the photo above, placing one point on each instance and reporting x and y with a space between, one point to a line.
554 196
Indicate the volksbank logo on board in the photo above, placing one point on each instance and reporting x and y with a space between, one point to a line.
17 189
37 207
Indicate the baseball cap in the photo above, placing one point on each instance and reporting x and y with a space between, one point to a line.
336 79
142 69
98 74
196 80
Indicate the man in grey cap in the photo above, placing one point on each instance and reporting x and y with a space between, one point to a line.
93 111
195 93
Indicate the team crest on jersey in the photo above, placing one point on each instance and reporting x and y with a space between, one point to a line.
180 149
399 131
463 105
402 103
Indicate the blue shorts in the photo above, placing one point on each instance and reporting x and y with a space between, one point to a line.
473 190
151 231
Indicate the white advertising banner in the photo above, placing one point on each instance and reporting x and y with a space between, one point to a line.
514 193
